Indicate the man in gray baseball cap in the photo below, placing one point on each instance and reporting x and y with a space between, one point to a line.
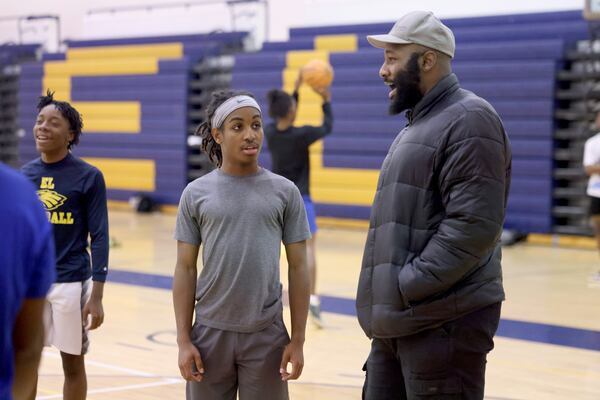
430 288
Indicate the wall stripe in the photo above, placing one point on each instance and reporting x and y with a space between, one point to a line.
336 43
93 124
121 109
121 66
342 196
57 83
107 116
162 50
298 58
126 174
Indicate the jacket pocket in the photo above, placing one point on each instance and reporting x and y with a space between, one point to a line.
405 300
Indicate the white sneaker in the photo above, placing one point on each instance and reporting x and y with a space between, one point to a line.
314 311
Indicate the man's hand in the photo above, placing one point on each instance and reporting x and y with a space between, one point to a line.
190 362
94 309
294 354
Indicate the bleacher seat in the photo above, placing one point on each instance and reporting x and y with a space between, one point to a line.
133 96
510 60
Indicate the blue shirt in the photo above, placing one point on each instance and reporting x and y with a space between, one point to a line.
26 260
74 196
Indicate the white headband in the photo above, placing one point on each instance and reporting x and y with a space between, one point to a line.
229 106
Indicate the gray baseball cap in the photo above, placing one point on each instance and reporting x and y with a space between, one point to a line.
419 27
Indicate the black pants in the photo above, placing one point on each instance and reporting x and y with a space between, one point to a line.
442 363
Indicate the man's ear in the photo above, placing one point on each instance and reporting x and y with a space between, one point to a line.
429 60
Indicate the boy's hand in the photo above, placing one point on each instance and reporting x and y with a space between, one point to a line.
293 354
190 362
94 309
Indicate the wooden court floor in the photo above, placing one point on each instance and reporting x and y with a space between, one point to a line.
548 345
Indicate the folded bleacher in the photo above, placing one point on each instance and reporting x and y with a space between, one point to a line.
11 55
133 94
509 60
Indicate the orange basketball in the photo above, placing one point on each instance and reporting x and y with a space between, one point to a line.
317 73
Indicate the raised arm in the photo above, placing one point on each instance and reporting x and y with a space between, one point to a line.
315 133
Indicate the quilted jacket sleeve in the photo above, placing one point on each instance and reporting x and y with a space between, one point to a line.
473 177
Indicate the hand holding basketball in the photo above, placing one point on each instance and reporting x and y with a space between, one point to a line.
317 74
324 92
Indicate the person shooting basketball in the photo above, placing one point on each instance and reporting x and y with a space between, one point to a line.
289 144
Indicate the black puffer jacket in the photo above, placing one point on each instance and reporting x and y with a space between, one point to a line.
432 251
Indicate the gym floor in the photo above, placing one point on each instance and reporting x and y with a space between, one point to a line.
547 347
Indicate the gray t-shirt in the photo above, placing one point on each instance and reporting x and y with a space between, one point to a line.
240 222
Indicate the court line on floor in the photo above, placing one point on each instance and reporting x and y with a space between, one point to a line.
323 384
133 372
346 386
129 371
120 388
133 346
585 339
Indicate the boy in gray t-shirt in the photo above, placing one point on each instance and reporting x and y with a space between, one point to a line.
241 214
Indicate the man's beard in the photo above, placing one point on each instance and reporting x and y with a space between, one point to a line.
406 82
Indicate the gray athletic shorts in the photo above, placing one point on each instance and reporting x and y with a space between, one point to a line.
248 362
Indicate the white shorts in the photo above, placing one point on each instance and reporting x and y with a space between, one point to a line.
63 319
